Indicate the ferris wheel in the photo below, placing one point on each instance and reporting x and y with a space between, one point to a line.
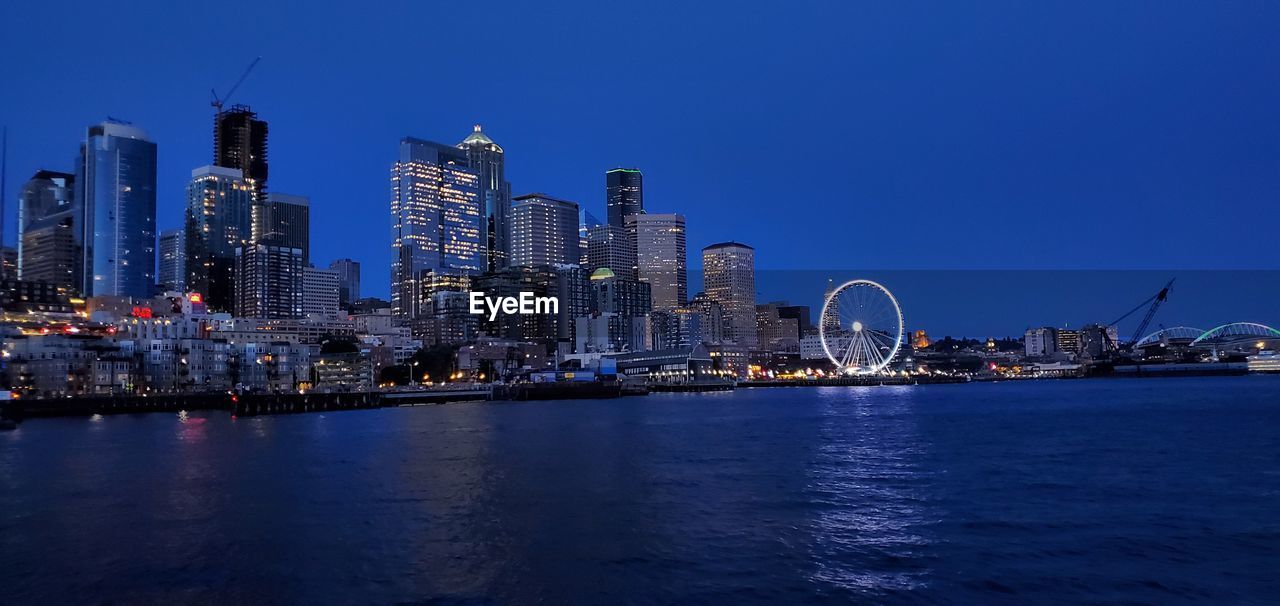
861 327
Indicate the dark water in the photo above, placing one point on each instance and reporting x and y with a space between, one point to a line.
1113 492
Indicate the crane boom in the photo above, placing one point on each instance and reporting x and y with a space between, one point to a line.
1151 311
218 103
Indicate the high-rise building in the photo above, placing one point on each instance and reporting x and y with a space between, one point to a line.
624 195
47 200
45 193
544 231
660 257
269 281
284 220
51 251
348 281
586 222
612 248
729 278
435 218
116 188
219 219
173 259
240 141
488 160
320 291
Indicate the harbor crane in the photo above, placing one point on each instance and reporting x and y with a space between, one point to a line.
1154 302
218 102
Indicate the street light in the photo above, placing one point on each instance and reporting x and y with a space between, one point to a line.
413 379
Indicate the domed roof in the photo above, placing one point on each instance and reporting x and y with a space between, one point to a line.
477 136
603 273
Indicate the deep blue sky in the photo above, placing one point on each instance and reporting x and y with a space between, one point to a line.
828 135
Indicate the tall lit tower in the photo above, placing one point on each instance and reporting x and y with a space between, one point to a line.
489 161
436 219
624 195
218 221
116 188
729 278
660 257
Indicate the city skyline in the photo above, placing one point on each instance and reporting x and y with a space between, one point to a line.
1162 164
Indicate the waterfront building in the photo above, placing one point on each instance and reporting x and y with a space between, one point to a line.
269 281
1040 342
240 142
729 279
1067 341
277 366
775 333
661 259
624 195
488 160
285 220
436 218
544 231
679 365
1097 340
799 313
348 281
341 366
116 188
711 317
680 327
219 219
173 259
320 292
49 193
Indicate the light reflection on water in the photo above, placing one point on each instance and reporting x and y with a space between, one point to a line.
866 483
1077 491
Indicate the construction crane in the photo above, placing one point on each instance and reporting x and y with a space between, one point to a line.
219 102
1154 301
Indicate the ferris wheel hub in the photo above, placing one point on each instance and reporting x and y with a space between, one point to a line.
857 326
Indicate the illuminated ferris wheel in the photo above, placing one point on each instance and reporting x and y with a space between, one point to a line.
861 327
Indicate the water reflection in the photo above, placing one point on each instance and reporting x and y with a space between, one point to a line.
867 482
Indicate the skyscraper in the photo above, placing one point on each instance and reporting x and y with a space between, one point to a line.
660 257
51 250
173 259
320 291
219 220
612 248
116 187
240 141
284 220
348 281
269 281
544 231
729 278
488 160
45 194
435 218
624 195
